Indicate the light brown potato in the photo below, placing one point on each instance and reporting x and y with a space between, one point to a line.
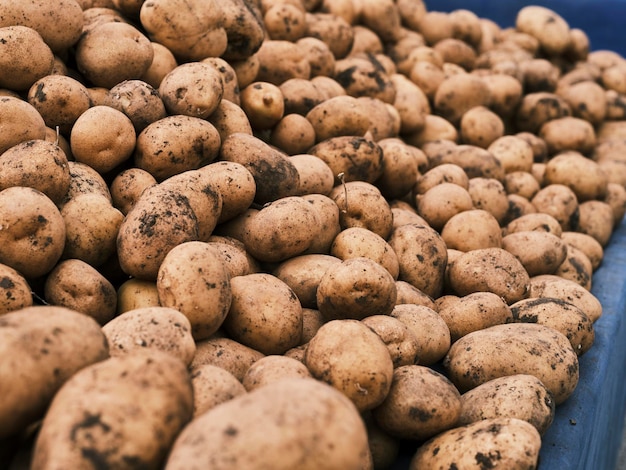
312 320
567 290
289 436
232 92
293 134
117 382
19 122
281 60
539 252
538 108
236 259
481 127
328 214
587 100
76 285
163 62
402 165
402 343
331 356
472 312
384 448
300 96
361 76
25 57
444 173
514 348
521 183
127 186
34 377
475 161
472 229
587 244
285 21
518 206
33 234
458 94
559 201
596 219
225 353
435 128
348 117
316 177
427 76
490 270
431 331
333 30
546 25
505 93
139 101
84 180
271 368
520 396
212 386
435 26
559 314
411 103
539 74
442 202
536 221
264 314
456 51
355 242
136 293
517 442
344 286
409 294
15 291
229 118
576 267
616 198
513 152
568 133
318 53
263 103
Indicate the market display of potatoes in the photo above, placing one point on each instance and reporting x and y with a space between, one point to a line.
215 212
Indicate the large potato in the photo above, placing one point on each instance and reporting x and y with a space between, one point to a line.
546 25
24 57
539 252
42 347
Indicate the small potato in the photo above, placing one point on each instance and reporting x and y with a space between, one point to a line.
360 76
539 252
427 76
471 230
554 286
489 194
271 368
316 177
518 206
458 94
401 342
490 270
616 198
333 30
35 377
225 353
517 442
518 396
385 120
321 59
539 75
513 152
435 26
264 314
444 173
292 436
422 256
505 93
587 100
411 103
458 52
355 242
343 288
19 122
300 96
353 359
547 26
430 329
536 109
442 202
103 138
472 312
596 219
514 348
139 101
422 393
24 57
76 285
293 134
213 385
84 180
33 234
481 127
568 133
135 293
237 260
91 228
202 85
263 103
435 128
559 314
66 435
348 117
193 279
587 244
521 183
559 201
127 186
15 291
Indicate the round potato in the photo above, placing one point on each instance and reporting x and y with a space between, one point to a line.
19 122
401 342
554 286
271 368
539 252
459 93
213 385
225 353
442 202
139 101
24 57
127 186
471 230
263 103
15 291
136 293
559 201
356 242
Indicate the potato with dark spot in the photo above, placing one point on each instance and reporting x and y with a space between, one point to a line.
475 161
471 230
570 291
24 57
536 109
281 60
442 202
539 252
333 30
402 343
225 353
127 186
355 242
139 100
559 201
587 244
458 94
576 267
596 219
213 385
15 292
536 221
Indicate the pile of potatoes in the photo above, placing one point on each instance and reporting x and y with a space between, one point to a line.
251 234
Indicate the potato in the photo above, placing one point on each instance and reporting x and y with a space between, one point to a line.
422 257
281 60
490 270
263 103
444 173
539 252
321 59
163 62
435 128
513 152
576 267
559 201
37 164
442 202
232 91
475 161
293 134
515 348
568 133
33 234
24 57
272 368
471 230
427 76
274 174
435 26
106 393
203 88
536 221
300 95
19 122
76 285
161 219
264 314
127 186
353 359
567 290
481 127
521 183
60 100
213 385
539 75
472 312
616 198
348 117
333 30
587 244
384 448
458 94
511 442
43 346
538 108
103 138
139 101
91 228
520 396
361 76
84 180
225 353
355 242
547 26
401 341
587 100
290 435
316 177
596 219
401 167
233 252
135 293
244 30
559 314
285 21
505 93
188 31
431 331
420 404
15 291
151 327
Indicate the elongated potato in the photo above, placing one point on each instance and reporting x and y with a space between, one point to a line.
567 290
539 252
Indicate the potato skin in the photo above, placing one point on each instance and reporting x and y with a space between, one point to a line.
42 346
268 427
226 353
15 291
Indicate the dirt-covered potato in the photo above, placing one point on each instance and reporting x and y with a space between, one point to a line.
271 368
587 244
559 201
139 101
480 126
333 30
15 291
586 99
33 234
293 134
536 109
513 152
576 267
269 427
550 29
127 186
510 442
244 30
489 195
539 252
534 221
233 252
568 133
519 396
316 177
477 162
232 91
440 203
353 359
411 103
401 341
521 183
472 312
596 219
77 285
24 57
458 94
505 93
281 60
402 164
342 115
514 348
364 77
225 353
355 242
553 286
444 173
229 118
490 270
107 392
213 385
471 230
33 378
263 103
